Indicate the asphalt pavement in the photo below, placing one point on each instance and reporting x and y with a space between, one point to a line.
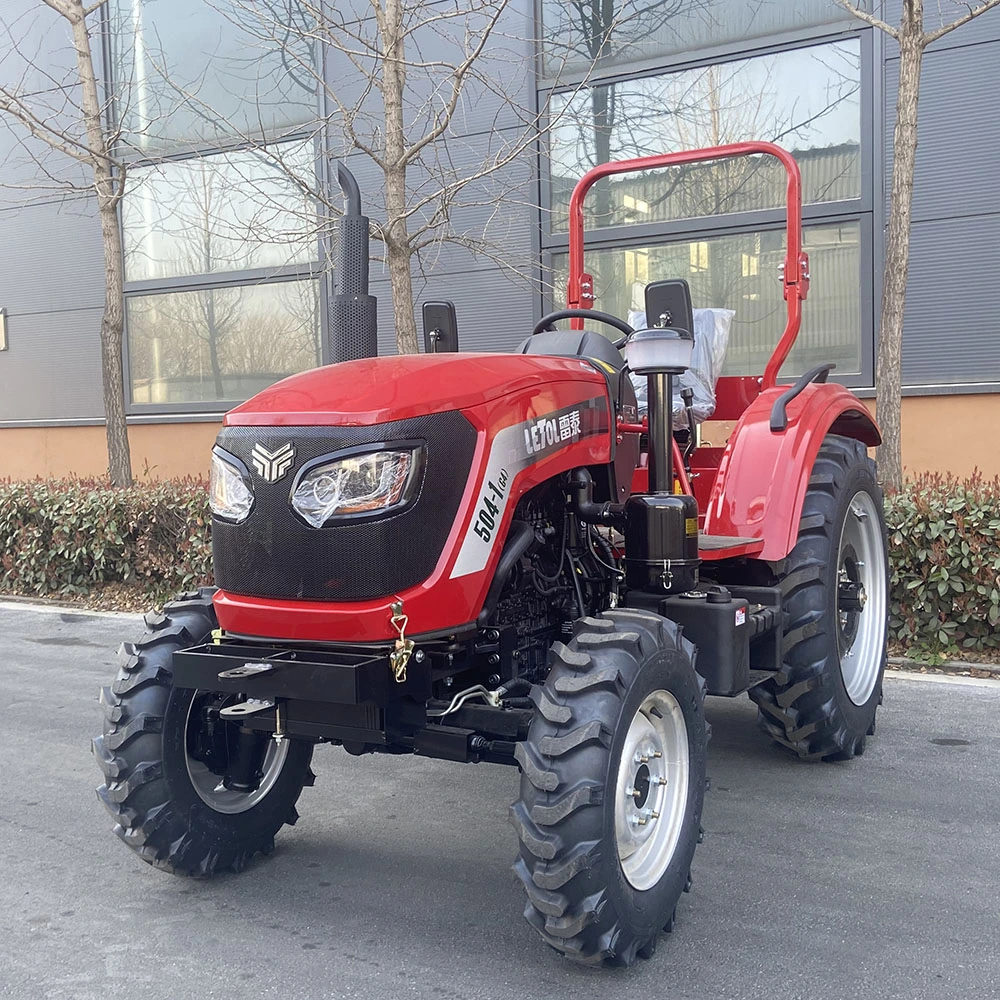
878 878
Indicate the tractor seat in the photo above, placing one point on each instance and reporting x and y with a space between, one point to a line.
574 344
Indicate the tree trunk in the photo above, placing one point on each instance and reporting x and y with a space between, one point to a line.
112 328
113 320
397 238
888 366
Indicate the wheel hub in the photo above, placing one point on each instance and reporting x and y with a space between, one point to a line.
652 789
209 749
861 601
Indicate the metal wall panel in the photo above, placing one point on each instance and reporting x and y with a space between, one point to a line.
951 328
983 28
959 133
494 312
52 367
53 259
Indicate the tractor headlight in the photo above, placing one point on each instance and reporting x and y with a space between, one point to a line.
374 481
229 494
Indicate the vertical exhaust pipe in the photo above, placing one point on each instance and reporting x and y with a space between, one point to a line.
354 320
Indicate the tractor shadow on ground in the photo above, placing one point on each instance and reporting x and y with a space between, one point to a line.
398 858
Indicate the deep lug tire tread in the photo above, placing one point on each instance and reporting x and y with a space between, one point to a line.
805 708
165 831
561 813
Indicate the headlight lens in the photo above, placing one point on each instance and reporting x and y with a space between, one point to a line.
230 495
374 481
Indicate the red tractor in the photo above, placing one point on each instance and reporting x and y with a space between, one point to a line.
491 558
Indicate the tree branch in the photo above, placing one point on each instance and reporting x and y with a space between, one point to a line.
871 19
931 37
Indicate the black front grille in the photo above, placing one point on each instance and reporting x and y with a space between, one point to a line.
275 554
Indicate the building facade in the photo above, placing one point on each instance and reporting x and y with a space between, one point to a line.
229 129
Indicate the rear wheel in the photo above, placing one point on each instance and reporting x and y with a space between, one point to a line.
834 586
166 755
612 784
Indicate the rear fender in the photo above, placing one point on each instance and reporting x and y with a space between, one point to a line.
763 476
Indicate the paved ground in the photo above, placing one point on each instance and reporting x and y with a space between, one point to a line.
875 879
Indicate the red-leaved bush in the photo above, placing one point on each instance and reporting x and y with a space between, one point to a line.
66 536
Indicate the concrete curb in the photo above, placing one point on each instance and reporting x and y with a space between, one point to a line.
13 602
959 667
902 663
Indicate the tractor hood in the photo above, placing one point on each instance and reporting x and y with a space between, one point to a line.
376 390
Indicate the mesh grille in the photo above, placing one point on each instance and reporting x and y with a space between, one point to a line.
274 554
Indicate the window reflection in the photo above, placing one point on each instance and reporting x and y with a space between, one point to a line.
807 100
577 34
226 212
222 343
190 72
740 272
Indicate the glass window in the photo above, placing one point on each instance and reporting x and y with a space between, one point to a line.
807 100
740 272
579 34
190 72
222 343
227 212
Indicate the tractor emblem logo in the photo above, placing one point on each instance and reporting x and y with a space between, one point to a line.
272 465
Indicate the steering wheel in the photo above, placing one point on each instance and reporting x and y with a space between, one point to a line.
545 323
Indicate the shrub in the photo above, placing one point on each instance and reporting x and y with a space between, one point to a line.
67 536
945 564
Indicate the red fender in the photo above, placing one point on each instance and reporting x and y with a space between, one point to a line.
763 476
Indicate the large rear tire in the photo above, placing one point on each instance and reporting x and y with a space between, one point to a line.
612 785
834 583
164 752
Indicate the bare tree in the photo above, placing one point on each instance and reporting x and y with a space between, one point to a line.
913 38
397 80
80 132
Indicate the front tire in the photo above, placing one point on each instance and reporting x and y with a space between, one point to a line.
164 762
612 785
834 583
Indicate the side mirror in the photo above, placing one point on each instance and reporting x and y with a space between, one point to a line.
668 304
440 327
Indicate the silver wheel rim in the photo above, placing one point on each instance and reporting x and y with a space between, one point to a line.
651 790
861 598
210 789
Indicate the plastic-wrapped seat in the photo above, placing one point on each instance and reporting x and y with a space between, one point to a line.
711 338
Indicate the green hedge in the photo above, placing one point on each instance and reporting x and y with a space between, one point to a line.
70 536
944 553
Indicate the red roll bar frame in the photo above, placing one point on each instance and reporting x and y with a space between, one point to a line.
580 291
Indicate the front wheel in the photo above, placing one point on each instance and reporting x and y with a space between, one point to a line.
612 785
834 585
166 754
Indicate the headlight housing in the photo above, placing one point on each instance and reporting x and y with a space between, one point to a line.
230 494
365 483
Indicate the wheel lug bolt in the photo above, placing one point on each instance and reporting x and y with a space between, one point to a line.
661 781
